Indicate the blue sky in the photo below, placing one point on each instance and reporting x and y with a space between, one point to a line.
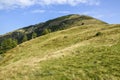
15 14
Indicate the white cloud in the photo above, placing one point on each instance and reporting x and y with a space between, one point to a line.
8 4
38 11
69 2
43 11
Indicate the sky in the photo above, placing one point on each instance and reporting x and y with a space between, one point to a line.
15 14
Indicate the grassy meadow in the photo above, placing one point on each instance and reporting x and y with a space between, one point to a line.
88 52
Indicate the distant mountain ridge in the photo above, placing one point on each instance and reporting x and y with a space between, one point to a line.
56 24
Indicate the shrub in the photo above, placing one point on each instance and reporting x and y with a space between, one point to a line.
46 31
25 38
34 35
82 23
98 34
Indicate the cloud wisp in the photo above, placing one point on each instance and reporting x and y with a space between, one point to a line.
38 11
12 4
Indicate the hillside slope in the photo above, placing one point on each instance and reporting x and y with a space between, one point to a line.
53 25
86 52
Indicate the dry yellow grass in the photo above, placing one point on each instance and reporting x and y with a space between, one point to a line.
71 54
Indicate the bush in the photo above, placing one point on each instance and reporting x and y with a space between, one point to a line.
46 31
98 34
25 38
34 35
82 23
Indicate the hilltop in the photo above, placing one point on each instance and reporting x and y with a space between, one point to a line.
53 25
86 49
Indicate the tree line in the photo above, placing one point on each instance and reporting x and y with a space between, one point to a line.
10 43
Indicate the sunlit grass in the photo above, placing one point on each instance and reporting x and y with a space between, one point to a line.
72 54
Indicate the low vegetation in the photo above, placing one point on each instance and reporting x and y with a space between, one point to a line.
7 44
34 35
61 23
53 25
87 52
46 31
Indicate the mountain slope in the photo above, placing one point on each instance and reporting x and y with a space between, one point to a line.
85 52
54 25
